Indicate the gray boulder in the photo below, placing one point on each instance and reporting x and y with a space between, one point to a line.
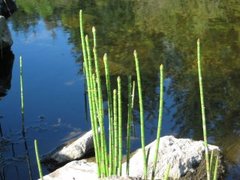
5 35
184 156
73 150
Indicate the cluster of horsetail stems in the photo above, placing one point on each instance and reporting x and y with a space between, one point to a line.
111 163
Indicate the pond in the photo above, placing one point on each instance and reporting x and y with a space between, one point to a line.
164 32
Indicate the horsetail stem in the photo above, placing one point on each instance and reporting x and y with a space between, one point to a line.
90 84
141 113
38 159
166 175
82 35
119 126
91 95
110 112
100 105
203 108
129 122
215 176
159 122
115 124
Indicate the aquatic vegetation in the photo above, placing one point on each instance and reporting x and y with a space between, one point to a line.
159 121
22 114
38 159
131 90
209 165
141 112
109 159
110 163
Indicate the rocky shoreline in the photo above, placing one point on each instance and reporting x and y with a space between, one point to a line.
185 157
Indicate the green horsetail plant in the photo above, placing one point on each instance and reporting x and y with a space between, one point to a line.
100 105
203 108
82 35
119 126
110 112
129 122
115 125
90 82
166 175
211 162
141 113
159 122
38 159
91 97
215 176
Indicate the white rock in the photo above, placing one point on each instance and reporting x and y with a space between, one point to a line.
72 151
182 155
75 170
5 35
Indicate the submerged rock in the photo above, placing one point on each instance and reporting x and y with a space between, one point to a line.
184 156
5 35
73 150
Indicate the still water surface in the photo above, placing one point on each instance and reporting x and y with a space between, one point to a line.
46 35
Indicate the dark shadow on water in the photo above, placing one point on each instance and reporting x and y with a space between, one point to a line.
6 66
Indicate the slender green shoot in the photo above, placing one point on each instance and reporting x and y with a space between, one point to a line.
82 35
166 175
115 125
110 112
159 122
215 175
141 113
119 126
89 78
100 105
38 159
203 108
211 162
129 122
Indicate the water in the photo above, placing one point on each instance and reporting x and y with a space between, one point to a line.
46 35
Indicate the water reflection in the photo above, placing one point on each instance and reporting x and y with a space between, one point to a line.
6 65
9 155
